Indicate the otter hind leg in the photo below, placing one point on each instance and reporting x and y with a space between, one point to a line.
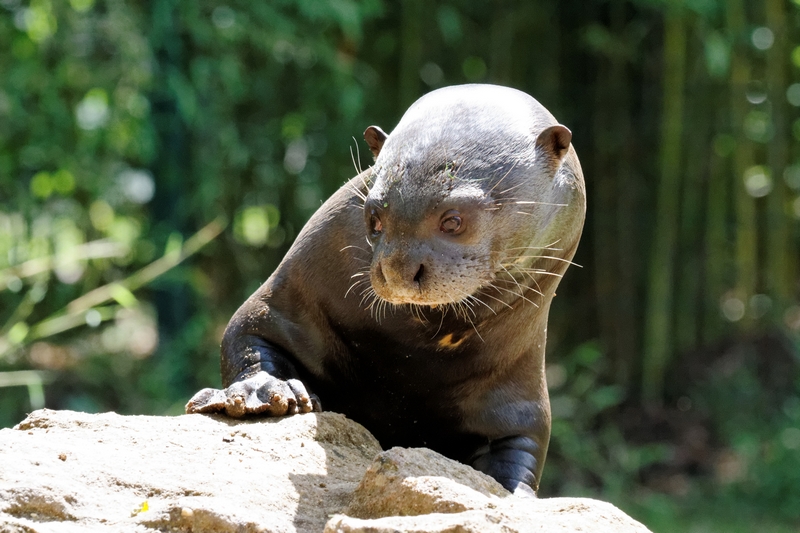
511 461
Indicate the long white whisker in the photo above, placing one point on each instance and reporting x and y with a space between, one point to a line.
516 294
540 203
504 177
493 298
549 257
354 285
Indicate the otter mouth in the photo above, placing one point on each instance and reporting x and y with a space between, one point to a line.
418 301
431 294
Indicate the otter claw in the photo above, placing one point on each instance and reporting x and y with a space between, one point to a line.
259 394
207 401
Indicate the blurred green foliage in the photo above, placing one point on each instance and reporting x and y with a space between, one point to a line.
158 158
722 457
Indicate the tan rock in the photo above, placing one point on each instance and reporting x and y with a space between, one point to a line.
197 473
417 481
62 471
514 515
418 490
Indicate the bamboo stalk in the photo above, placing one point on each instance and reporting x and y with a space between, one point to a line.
781 264
688 315
413 13
658 333
614 233
746 236
602 224
718 248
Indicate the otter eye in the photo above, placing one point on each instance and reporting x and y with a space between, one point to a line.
451 223
375 224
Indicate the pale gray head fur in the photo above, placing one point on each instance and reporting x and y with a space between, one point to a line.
478 151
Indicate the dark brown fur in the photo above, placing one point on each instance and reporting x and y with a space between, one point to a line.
415 300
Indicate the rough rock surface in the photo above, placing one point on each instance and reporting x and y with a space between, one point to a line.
418 490
62 471
67 471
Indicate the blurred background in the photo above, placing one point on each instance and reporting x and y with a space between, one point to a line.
157 159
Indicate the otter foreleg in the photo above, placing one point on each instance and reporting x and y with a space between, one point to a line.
266 383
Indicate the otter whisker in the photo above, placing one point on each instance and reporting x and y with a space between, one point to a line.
524 272
545 247
527 288
530 271
441 322
360 195
366 181
354 285
418 312
537 271
518 294
549 257
501 179
368 294
456 309
512 277
354 246
475 328
478 300
386 306
501 193
516 266
525 202
468 301
460 312
357 165
465 308
493 298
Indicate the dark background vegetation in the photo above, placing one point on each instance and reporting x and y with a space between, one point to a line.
158 157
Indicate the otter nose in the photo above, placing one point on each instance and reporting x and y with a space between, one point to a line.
418 275
402 275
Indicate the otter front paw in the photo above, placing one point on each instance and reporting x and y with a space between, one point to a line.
259 394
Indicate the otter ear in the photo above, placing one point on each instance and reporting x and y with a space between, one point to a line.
555 140
375 138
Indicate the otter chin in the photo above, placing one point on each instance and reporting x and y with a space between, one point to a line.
415 300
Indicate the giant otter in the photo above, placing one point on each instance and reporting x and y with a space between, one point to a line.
415 300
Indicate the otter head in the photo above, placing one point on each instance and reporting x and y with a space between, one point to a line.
461 192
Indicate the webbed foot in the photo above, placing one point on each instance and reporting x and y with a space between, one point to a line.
260 394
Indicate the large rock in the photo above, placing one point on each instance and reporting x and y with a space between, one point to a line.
62 471
418 490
